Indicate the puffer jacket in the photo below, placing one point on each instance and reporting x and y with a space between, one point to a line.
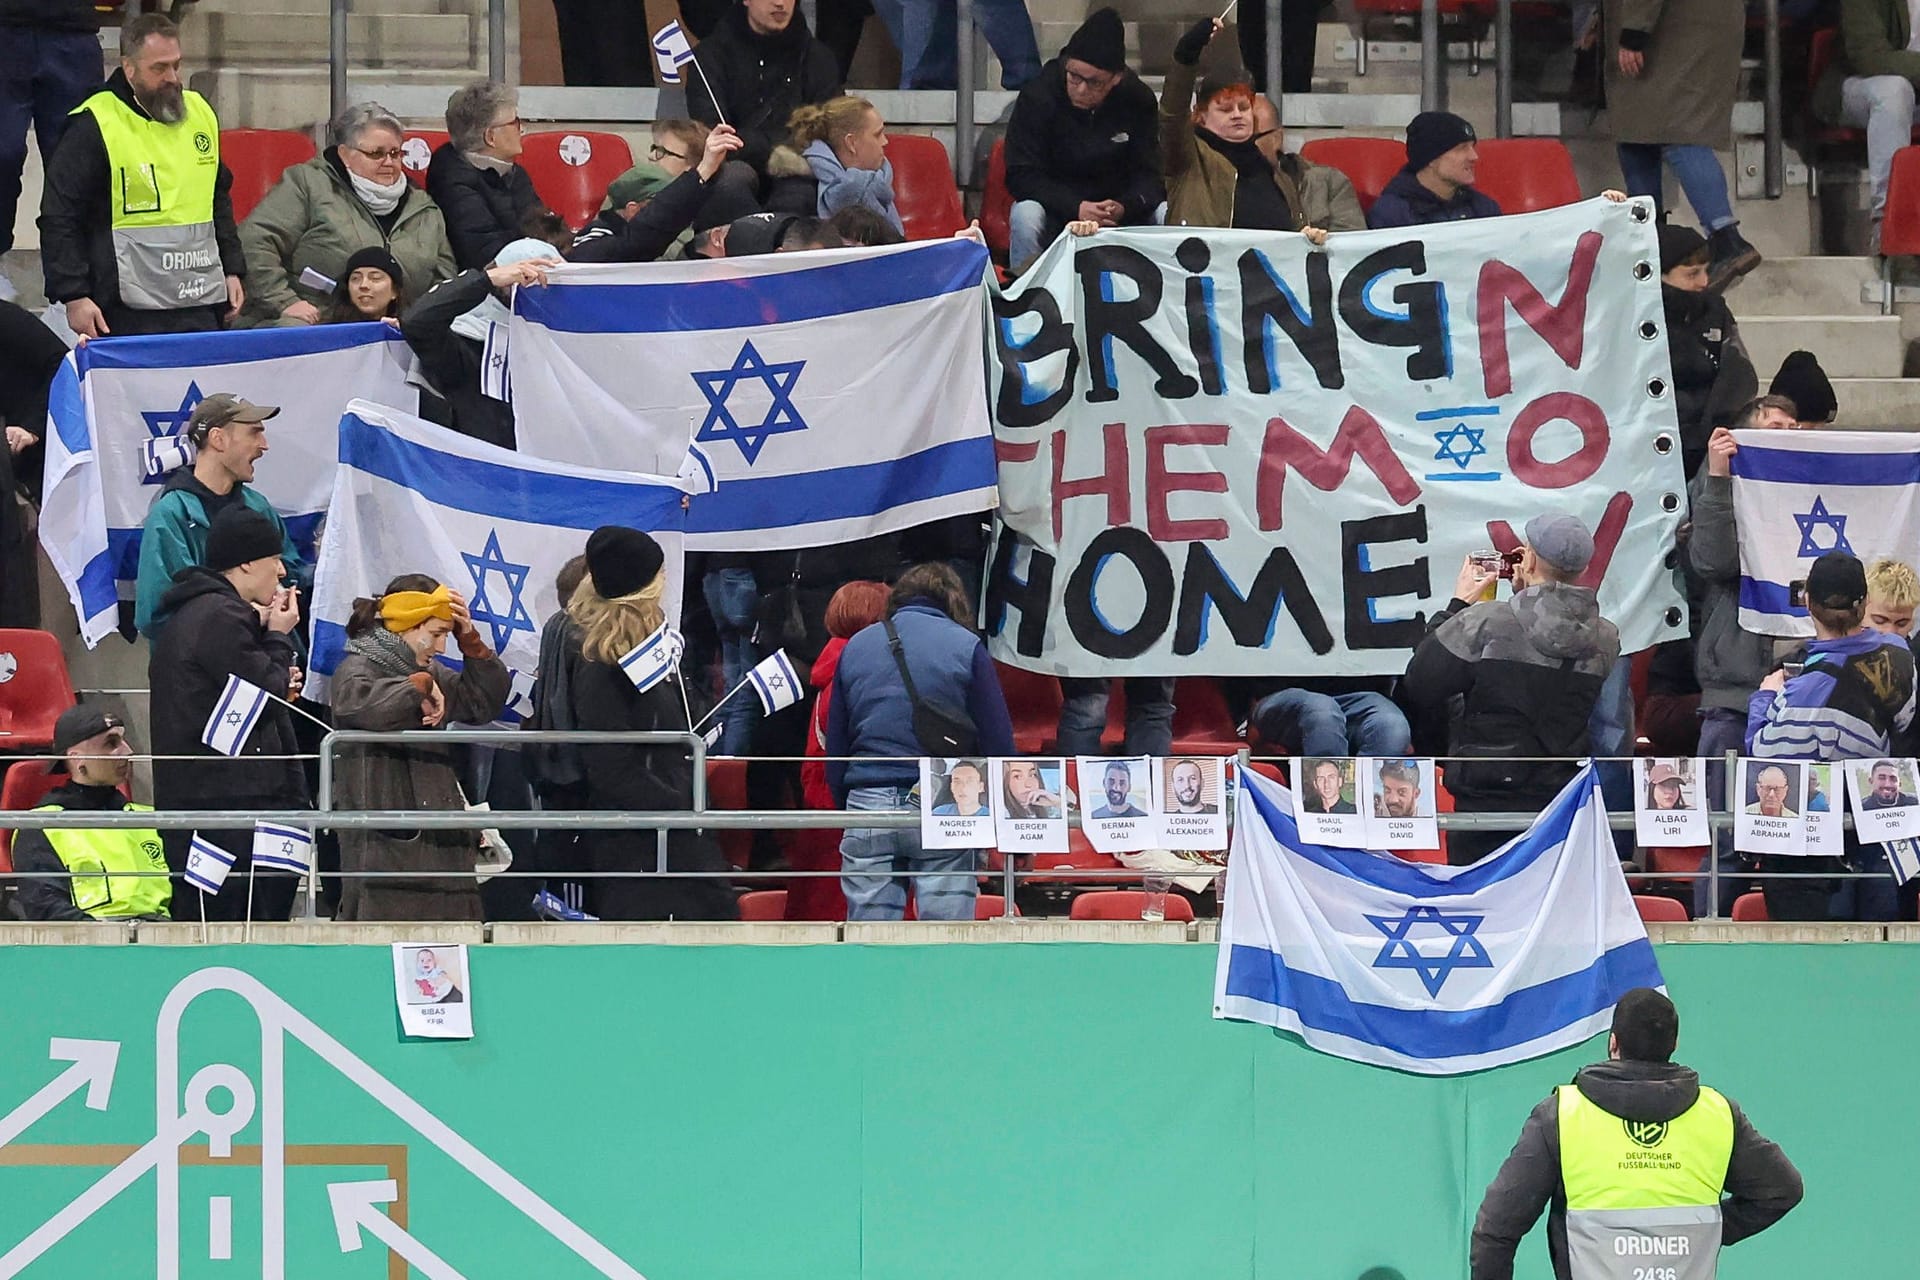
759 80
482 208
1712 376
1201 183
312 218
1530 671
1729 661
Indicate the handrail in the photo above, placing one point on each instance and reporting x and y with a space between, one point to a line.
963 83
1276 86
497 42
1503 68
1775 147
1433 81
336 57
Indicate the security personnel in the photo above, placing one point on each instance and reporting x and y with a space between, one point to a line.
69 873
136 218
1649 1172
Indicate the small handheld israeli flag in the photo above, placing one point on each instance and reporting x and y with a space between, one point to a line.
282 848
672 50
1903 859
653 659
207 865
775 681
495 382
235 713
164 455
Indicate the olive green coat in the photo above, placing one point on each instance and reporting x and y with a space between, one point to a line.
1684 94
1873 42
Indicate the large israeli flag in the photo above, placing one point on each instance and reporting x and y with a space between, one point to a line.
1800 494
1430 969
494 525
117 417
826 396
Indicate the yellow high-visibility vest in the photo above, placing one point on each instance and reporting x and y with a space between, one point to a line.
106 864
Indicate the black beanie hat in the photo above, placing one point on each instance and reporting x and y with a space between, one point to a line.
378 258
1803 381
621 561
1101 41
1677 244
241 535
1432 134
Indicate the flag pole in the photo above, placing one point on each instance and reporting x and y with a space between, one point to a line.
716 97
246 929
203 914
725 698
1227 11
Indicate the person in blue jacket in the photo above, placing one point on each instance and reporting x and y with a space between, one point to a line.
1437 183
873 752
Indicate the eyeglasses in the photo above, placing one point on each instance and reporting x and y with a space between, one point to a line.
1102 81
658 152
381 154
502 124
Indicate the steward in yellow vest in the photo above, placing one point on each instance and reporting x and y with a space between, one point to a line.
107 873
1648 1171
136 218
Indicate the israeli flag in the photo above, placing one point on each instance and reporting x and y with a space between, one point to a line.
775 681
235 712
653 659
494 525
1429 969
207 865
1800 494
672 50
282 848
835 394
116 422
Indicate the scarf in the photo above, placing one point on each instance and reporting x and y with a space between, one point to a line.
485 163
1258 202
382 200
386 651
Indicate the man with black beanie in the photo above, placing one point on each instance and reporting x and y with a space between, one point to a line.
1803 381
228 616
1639 1161
1712 376
1437 183
1083 144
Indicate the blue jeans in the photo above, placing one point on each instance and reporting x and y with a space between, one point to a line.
926 33
1030 228
1333 724
1083 715
872 860
733 600
1698 170
43 76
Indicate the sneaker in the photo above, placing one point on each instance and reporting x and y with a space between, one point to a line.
1732 258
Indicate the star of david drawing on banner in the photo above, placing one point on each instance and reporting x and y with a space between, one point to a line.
1460 445
481 608
719 385
161 423
1400 950
1821 518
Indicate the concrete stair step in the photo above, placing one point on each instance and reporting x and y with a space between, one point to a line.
1806 286
1878 404
442 40
1846 346
287 96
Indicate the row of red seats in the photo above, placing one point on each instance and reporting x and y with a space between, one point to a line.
766 905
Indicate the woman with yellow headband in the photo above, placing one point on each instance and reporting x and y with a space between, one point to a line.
389 681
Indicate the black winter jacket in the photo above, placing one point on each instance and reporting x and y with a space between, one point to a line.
759 80
451 361
50 15
76 229
1529 670
1712 376
212 633
1761 1187
482 208
650 232
1405 203
34 353
1060 155
45 891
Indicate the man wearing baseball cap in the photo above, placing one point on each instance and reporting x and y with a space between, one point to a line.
70 873
1530 670
1437 183
229 438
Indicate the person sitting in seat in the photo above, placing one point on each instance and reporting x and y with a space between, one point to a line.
844 142
757 68
373 287
484 196
69 873
1437 183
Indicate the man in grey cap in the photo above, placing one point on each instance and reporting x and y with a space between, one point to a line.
229 437
1530 670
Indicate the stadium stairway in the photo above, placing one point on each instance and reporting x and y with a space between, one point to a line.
1831 307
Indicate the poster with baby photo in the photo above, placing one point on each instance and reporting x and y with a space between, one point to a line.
956 804
1669 803
432 989
1032 814
1826 831
1326 803
1399 803
1118 803
1885 803
1770 803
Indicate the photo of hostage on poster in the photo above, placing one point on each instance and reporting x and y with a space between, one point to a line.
1193 814
1117 803
956 803
1669 804
1825 811
1033 810
1325 803
1885 803
432 988
1400 804
1770 799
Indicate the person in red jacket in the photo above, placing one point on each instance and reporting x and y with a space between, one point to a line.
854 607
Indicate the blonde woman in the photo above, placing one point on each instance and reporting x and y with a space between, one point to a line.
844 141
616 606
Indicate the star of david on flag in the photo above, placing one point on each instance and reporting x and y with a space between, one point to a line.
775 681
283 848
654 658
719 387
161 422
1460 445
235 712
207 865
481 608
1403 952
1818 517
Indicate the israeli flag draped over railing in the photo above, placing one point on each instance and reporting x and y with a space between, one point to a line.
117 401
494 525
832 395
1430 969
1800 494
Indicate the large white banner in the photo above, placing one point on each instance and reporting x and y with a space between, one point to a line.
815 397
1233 453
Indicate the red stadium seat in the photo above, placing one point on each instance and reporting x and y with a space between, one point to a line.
923 187
1900 232
727 789
991 906
416 152
571 170
34 689
996 203
1523 175
1669 862
1659 909
1751 907
1033 702
1125 904
1369 163
27 784
763 905
257 158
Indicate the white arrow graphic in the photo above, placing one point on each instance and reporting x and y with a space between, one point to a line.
356 1209
93 1063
